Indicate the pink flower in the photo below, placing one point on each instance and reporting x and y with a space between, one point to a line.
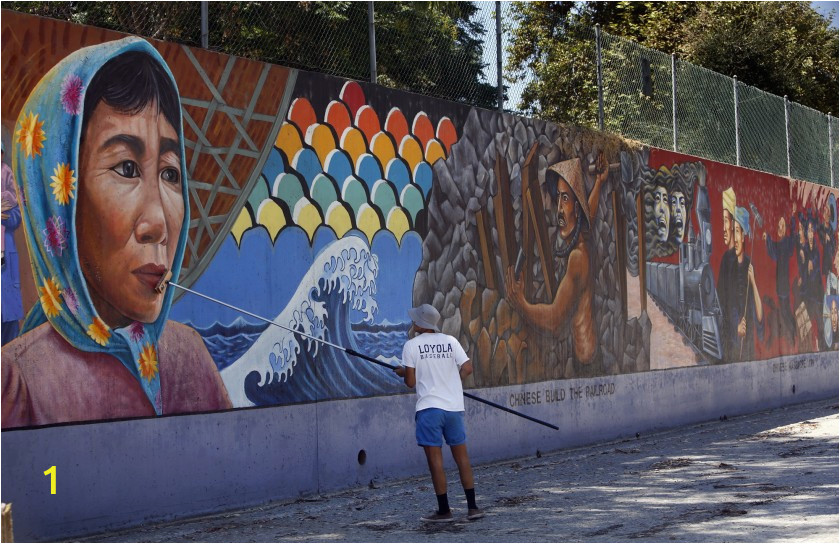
71 300
71 94
55 236
136 331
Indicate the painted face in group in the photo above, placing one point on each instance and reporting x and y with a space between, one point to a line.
130 210
739 239
566 216
811 234
801 232
678 214
728 234
782 229
661 212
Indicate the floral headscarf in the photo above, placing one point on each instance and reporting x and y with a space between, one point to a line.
46 165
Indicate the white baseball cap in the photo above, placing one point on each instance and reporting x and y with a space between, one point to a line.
425 316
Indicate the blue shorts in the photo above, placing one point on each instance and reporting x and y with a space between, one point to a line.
434 424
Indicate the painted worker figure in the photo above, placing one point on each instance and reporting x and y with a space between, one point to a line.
812 287
827 234
436 364
831 336
729 258
572 304
742 309
781 251
800 244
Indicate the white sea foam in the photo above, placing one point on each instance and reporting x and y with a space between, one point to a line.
345 268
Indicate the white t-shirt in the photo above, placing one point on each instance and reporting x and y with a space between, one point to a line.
436 358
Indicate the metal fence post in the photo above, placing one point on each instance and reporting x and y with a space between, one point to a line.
830 152
600 77
737 131
372 43
787 135
204 32
674 96
499 89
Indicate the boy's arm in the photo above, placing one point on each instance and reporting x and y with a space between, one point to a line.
410 378
465 370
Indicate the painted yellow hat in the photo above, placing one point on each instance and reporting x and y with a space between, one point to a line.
729 201
572 172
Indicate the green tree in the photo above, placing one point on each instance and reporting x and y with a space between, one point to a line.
780 47
428 47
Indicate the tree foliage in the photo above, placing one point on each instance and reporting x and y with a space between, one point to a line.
784 48
428 47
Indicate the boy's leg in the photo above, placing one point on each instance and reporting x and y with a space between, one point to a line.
459 453
434 456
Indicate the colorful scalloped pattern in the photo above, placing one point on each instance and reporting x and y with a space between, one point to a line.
347 170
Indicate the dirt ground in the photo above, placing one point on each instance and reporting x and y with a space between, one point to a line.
766 477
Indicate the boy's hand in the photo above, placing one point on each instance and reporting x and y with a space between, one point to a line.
400 371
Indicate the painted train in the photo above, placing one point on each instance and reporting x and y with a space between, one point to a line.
686 292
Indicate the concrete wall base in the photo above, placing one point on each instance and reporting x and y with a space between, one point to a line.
119 474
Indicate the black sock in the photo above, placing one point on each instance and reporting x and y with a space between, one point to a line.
470 493
443 504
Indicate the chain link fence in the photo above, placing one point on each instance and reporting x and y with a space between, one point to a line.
452 50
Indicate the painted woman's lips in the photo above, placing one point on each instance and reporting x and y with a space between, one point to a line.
150 274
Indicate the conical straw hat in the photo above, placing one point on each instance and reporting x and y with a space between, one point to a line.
572 172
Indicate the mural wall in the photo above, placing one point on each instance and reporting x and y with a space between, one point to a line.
331 207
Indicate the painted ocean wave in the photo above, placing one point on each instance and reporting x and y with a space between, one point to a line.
280 367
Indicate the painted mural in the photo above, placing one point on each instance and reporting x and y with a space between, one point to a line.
331 207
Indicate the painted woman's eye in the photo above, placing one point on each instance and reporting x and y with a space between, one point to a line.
127 169
170 175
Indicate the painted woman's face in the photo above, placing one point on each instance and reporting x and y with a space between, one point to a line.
661 212
130 210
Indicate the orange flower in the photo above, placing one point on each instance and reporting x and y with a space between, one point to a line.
50 297
63 183
148 362
99 331
31 135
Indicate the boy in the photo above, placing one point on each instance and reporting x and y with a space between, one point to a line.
436 364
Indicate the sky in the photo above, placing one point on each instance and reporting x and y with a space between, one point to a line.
825 8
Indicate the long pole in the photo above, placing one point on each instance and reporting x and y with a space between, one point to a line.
830 152
674 97
499 89
737 128
372 43
787 135
598 65
204 26
354 353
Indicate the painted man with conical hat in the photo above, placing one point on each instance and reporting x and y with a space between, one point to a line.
572 303
743 315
